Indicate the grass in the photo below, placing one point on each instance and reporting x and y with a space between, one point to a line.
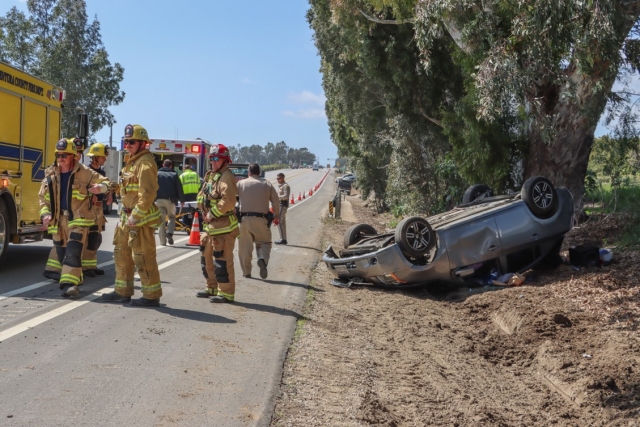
625 200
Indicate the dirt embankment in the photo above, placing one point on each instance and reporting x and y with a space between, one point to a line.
561 350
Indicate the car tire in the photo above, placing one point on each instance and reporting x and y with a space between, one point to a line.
414 236
356 233
540 196
4 231
478 191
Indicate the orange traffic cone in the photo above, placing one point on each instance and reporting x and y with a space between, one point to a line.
310 192
292 202
299 196
194 237
303 196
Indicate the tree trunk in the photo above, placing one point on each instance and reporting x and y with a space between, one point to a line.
565 158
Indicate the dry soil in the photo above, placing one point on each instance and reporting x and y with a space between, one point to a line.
562 349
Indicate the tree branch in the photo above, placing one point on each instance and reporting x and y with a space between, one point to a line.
386 21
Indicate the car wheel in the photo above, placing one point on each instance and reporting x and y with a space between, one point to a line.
356 233
4 231
414 236
540 196
478 191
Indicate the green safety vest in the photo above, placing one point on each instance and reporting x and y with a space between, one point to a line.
190 182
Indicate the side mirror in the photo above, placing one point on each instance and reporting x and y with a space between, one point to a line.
83 125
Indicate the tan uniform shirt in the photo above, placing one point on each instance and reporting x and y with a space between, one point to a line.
284 192
138 189
256 193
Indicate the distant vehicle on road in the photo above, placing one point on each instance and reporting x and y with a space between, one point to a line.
315 166
241 170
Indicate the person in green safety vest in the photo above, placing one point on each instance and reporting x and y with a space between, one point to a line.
190 184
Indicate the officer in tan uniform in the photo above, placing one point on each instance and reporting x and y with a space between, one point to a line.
255 194
134 241
284 193
216 200
98 154
65 210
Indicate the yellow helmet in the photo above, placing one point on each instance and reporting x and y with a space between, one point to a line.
136 132
98 150
66 146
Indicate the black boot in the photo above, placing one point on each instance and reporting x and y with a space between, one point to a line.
144 302
51 275
114 297
170 238
99 271
89 273
204 294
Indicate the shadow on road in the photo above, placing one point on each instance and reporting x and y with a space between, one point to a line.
299 285
268 309
304 247
197 316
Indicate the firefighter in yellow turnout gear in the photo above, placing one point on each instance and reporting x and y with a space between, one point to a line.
65 209
98 154
133 239
216 201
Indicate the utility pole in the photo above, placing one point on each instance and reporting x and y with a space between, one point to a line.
111 123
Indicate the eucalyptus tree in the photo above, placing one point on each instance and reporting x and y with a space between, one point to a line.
65 49
391 117
550 64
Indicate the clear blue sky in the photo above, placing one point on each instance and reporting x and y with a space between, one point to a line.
234 72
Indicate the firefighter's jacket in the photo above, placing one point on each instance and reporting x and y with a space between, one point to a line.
218 197
138 190
80 213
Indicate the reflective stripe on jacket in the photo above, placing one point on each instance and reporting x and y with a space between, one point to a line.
78 196
218 197
139 189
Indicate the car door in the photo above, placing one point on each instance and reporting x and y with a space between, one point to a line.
518 229
473 241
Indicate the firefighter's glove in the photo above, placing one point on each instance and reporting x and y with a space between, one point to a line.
209 217
131 221
46 219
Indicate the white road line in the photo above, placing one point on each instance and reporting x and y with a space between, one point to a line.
47 282
32 323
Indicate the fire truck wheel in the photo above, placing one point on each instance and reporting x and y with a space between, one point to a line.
4 231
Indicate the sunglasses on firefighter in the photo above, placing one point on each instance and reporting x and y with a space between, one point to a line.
130 141
62 155
213 159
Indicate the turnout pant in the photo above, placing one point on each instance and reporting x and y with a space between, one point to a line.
253 230
282 227
217 263
136 247
66 255
167 212
90 253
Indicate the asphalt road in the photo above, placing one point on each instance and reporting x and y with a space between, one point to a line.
81 362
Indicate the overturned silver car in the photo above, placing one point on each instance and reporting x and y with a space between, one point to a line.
485 235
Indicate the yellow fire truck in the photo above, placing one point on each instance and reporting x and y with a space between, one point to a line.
29 128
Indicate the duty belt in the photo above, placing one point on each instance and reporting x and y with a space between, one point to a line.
258 214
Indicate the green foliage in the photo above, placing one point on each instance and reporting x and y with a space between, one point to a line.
498 90
278 153
56 42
